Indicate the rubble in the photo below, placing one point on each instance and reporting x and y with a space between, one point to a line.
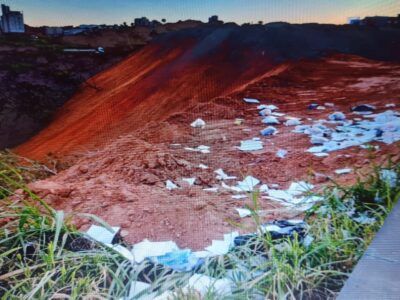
270 120
251 100
251 145
268 131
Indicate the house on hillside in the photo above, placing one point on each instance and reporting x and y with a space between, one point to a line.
379 21
54 31
11 21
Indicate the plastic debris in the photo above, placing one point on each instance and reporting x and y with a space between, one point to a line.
212 190
337 116
292 122
243 212
198 123
147 248
221 175
389 176
170 185
123 251
318 140
238 121
270 130
343 171
205 284
248 184
178 260
102 234
250 145
222 247
312 106
140 290
263 188
270 120
262 106
281 153
265 112
390 105
320 107
322 154
238 197
364 219
329 104
202 166
251 100
190 181
277 114
201 148
363 108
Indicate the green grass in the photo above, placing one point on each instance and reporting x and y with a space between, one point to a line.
42 256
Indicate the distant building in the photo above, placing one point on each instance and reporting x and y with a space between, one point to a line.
11 21
381 21
354 21
54 31
213 19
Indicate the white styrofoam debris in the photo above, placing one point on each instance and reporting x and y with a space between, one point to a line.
318 140
272 107
328 104
321 154
190 181
123 251
263 188
265 112
231 188
212 190
248 184
203 166
202 148
343 171
270 130
320 107
250 145
222 247
390 105
140 290
198 123
300 187
262 106
221 175
337 116
147 248
277 114
281 153
204 284
270 120
251 100
102 234
292 122
238 197
170 185
243 212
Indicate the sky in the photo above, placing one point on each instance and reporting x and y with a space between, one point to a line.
75 12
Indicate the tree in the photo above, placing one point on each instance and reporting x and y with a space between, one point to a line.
163 20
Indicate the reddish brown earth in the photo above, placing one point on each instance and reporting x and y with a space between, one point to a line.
123 180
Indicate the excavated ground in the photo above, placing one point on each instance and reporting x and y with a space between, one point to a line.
123 181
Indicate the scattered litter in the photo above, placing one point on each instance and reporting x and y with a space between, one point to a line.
237 197
212 190
140 290
248 184
265 112
318 140
179 260
251 100
364 219
292 122
221 175
270 120
170 185
263 188
390 105
190 181
222 247
201 148
337 116
312 106
243 212
277 114
307 241
343 171
363 108
281 153
238 121
320 107
390 177
199 123
250 145
202 166
123 251
102 234
205 284
321 154
329 104
147 248
262 106
271 107
270 130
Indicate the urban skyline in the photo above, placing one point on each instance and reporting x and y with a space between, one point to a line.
74 12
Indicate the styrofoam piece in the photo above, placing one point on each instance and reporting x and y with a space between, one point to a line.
251 100
243 212
265 112
343 171
337 116
270 120
202 149
281 153
170 185
320 107
198 123
248 184
231 188
389 176
203 166
102 234
222 247
263 188
190 181
390 105
147 248
125 252
292 122
238 197
212 190
277 114
270 130
204 284
221 175
250 145
321 154
140 290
